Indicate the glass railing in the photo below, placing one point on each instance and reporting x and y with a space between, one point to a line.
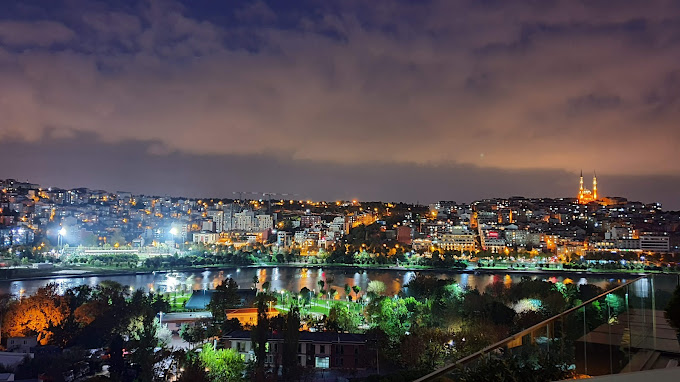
620 331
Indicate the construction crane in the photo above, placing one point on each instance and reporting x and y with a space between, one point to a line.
268 196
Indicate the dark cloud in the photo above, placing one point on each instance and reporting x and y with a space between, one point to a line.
34 33
521 86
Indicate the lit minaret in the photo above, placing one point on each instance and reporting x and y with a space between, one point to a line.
586 196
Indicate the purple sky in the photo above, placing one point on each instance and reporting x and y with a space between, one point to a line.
418 101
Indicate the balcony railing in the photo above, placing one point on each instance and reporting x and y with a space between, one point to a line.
622 330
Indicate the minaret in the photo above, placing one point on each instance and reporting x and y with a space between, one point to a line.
580 188
594 186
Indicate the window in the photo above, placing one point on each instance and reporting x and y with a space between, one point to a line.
299 348
322 349
342 349
322 362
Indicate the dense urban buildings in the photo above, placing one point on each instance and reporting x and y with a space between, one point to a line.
322 327
49 221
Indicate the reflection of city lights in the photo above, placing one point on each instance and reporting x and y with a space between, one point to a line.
171 283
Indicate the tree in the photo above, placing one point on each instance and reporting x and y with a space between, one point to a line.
531 365
224 297
341 319
193 369
223 364
291 339
142 348
196 333
305 293
116 360
143 330
229 326
105 311
376 287
321 285
425 348
265 286
86 313
37 314
348 290
425 286
260 333
5 303
163 334
356 290
255 282
392 316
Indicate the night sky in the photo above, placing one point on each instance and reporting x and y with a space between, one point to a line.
376 100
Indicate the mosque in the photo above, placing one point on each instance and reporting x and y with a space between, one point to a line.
586 196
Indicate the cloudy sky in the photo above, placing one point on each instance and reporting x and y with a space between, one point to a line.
391 100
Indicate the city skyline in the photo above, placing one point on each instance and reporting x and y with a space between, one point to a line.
583 196
397 101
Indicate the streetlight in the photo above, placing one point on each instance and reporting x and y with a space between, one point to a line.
174 232
60 239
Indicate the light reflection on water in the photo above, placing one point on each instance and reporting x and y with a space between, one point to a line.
292 279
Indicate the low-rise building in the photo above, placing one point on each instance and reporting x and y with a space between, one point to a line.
205 237
321 350
248 316
21 344
653 243
174 321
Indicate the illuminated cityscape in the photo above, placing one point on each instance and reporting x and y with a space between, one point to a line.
50 233
350 191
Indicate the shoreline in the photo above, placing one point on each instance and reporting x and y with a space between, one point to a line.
478 271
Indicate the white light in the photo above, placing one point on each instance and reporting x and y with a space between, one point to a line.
62 231
173 231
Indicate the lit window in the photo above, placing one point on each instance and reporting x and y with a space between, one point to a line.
322 362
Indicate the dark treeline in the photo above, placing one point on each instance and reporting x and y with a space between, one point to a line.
109 318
